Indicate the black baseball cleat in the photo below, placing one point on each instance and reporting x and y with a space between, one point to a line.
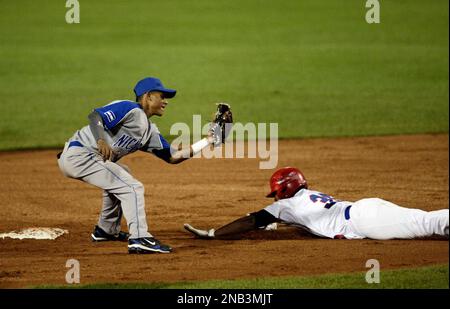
101 235
147 245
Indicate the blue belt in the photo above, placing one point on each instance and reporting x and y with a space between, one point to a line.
71 144
75 143
347 212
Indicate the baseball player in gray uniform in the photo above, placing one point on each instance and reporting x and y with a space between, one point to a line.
115 130
324 216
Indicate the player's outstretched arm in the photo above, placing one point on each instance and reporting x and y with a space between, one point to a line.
237 227
176 156
172 156
184 154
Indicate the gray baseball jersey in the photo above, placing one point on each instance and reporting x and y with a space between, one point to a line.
127 129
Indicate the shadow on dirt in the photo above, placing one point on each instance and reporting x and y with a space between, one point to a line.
282 233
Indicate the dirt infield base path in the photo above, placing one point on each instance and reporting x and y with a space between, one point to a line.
408 170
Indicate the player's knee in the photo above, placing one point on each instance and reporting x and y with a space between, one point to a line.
138 187
72 173
67 168
125 167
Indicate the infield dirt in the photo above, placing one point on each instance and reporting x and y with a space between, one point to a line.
411 171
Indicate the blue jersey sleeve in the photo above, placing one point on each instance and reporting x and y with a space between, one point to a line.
164 143
166 152
114 113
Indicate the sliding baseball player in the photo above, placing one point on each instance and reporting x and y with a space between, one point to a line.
325 216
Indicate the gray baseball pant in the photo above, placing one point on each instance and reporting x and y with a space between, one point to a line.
122 192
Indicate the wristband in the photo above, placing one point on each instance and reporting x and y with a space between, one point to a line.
198 146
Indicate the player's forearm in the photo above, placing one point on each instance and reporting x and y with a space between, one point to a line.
250 222
180 156
96 126
237 227
184 154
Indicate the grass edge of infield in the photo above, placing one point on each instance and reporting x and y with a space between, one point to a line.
428 277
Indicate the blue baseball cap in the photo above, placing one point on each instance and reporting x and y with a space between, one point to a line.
152 84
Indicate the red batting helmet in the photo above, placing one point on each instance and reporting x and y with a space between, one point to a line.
285 182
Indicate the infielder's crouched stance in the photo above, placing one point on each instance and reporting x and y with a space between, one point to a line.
322 215
118 129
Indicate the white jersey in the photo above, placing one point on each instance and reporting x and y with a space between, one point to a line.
127 129
314 211
372 218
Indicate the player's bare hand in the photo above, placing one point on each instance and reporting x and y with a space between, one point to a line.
204 234
106 152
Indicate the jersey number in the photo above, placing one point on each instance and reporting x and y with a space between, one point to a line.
323 198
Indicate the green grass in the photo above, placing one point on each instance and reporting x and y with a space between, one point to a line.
432 277
315 67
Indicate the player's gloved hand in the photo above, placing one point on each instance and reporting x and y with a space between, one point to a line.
106 152
205 234
215 134
222 123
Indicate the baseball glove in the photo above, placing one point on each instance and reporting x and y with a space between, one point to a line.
222 123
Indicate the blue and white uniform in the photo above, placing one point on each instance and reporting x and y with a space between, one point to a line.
372 218
127 129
